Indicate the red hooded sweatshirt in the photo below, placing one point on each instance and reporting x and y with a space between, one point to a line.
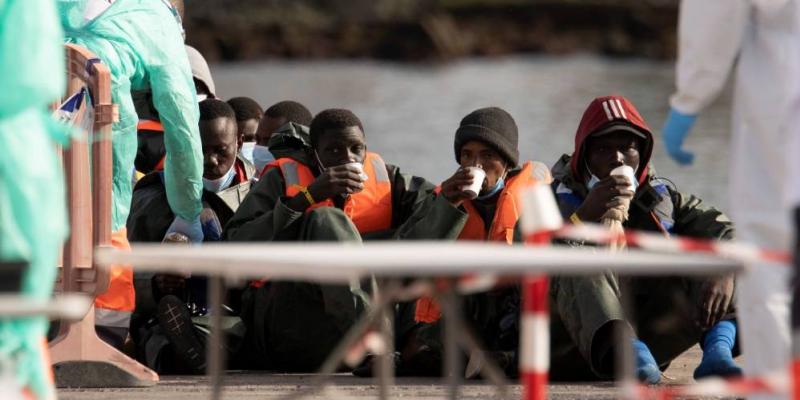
601 113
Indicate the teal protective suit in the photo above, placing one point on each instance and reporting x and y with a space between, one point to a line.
33 222
140 42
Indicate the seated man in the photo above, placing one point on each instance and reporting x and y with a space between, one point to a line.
486 138
226 182
341 192
270 146
671 313
248 115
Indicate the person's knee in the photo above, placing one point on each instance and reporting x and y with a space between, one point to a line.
330 224
326 214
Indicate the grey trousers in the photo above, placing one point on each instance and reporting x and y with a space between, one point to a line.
586 311
293 326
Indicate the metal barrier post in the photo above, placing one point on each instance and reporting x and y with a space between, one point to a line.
540 219
534 338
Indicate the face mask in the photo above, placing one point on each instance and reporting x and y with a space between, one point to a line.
592 181
247 151
498 186
221 183
261 156
201 97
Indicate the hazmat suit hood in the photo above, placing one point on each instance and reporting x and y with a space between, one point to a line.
200 70
606 114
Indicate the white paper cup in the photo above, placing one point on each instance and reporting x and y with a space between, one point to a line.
627 172
360 168
478 175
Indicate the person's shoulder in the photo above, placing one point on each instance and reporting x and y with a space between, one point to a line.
536 170
151 182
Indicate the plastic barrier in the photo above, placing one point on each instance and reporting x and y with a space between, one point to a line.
80 358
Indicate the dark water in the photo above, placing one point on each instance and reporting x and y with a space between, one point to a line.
410 111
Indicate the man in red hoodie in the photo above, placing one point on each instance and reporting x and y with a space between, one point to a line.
671 313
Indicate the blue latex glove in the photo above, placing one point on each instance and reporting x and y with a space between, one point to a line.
212 229
192 229
675 130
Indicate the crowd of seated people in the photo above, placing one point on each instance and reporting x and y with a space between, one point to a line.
286 174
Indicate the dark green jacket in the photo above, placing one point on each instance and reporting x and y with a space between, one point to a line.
151 216
656 202
291 140
417 212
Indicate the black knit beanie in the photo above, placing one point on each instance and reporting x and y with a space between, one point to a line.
493 126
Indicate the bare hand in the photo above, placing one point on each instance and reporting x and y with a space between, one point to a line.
604 196
716 295
340 180
452 187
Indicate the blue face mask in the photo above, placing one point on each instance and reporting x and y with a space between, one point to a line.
261 157
498 186
221 183
247 151
592 181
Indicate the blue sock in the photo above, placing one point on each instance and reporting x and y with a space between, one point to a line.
646 366
718 352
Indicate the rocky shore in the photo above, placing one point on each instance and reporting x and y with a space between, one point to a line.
429 30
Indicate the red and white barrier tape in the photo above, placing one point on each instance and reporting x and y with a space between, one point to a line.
596 233
768 384
660 243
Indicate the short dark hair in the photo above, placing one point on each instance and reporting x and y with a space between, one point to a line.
245 108
332 118
291 110
213 109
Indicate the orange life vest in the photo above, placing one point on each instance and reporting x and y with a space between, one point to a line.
156 126
502 227
149 125
370 209
506 214
115 307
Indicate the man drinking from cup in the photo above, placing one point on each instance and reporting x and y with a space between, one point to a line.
339 191
608 179
486 186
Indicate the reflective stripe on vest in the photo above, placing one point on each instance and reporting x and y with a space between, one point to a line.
148 125
426 309
370 209
112 318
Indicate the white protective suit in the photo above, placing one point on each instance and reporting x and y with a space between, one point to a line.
765 36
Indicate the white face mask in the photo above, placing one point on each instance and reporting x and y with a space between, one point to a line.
261 156
247 151
221 183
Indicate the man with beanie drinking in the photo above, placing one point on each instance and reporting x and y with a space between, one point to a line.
485 149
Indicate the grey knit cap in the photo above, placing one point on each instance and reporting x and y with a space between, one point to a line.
493 126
